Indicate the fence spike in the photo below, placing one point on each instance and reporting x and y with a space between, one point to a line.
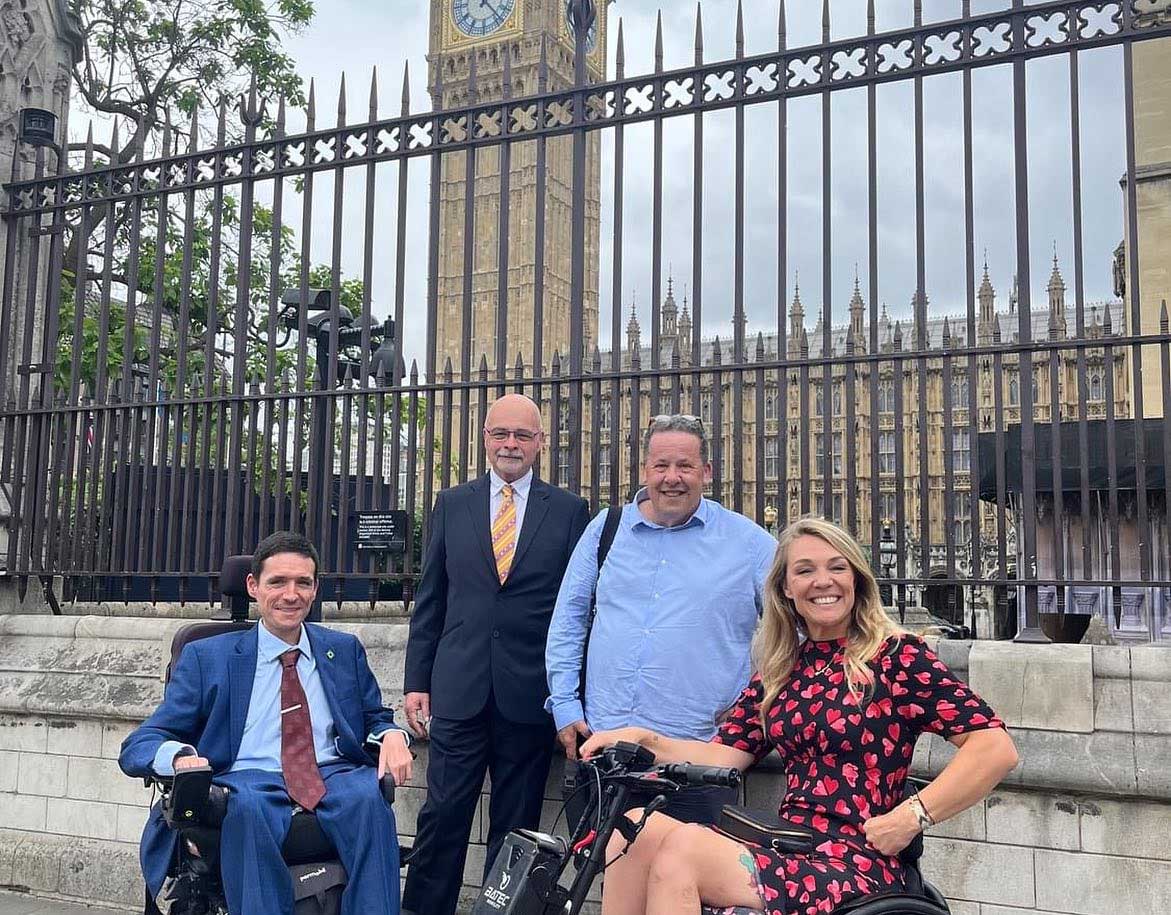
221 124
717 352
1107 322
598 356
760 346
1163 318
898 338
619 53
414 372
870 16
555 365
311 107
341 101
946 333
280 116
447 370
699 32
519 369
675 359
166 133
507 74
89 146
918 13
825 21
483 367
659 43
472 68
406 96
739 29
374 93
782 29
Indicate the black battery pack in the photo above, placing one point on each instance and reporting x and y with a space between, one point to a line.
523 879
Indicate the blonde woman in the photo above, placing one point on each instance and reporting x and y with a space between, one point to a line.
842 694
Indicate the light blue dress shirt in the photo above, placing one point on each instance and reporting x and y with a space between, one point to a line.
677 608
260 746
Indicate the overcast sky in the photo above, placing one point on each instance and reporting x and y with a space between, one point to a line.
358 35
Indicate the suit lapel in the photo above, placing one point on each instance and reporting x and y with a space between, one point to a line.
323 660
479 506
535 513
241 673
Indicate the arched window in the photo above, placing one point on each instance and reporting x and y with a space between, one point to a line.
1095 386
1014 392
837 401
959 392
771 463
886 397
605 417
770 406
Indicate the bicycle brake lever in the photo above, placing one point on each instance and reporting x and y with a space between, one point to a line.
628 830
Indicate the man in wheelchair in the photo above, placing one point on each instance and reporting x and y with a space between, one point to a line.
288 718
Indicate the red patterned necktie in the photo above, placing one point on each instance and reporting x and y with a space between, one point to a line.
298 755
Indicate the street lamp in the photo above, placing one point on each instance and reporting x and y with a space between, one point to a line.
888 554
770 519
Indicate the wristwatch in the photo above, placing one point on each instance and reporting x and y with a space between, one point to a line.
921 815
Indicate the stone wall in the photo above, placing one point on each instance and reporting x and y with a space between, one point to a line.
1082 827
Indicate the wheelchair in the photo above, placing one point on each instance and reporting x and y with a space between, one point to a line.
530 871
195 807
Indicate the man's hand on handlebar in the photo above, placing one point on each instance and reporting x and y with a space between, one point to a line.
417 707
568 737
189 762
602 739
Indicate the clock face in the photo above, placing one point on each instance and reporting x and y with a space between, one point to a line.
591 36
477 18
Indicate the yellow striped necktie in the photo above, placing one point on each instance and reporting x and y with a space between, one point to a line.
504 533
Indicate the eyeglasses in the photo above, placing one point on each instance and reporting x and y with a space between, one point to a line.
524 436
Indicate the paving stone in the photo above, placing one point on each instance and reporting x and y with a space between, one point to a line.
1039 820
37 863
1133 828
1113 705
22 811
100 779
1042 687
108 871
1094 884
90 819
74 736
42 774
980 871
9 767
23 732
1151 753
1152 706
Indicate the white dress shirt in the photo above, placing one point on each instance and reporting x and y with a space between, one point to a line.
520 497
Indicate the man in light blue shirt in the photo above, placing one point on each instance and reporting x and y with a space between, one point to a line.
678 600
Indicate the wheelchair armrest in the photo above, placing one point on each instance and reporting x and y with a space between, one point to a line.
193 800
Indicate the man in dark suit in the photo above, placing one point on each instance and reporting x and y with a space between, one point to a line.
280 712
475 668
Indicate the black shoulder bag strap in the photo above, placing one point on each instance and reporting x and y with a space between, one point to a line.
609 530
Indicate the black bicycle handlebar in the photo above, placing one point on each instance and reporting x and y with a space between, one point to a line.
688 775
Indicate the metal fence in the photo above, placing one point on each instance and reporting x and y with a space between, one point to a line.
186 380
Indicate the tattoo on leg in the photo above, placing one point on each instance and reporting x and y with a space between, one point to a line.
754 883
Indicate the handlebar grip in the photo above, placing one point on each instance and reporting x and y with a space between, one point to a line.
689 775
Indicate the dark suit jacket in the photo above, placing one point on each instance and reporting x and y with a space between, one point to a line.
469 633
206 705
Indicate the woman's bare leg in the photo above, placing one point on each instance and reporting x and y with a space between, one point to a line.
624 888
693 864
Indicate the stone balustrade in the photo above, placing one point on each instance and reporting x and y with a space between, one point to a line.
1082 827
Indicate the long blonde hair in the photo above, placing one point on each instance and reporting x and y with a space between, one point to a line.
774 649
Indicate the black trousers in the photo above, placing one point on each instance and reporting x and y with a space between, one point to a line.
695 805
516 756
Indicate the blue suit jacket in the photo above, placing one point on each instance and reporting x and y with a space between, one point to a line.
206 704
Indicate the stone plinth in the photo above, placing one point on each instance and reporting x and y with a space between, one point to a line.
1080 828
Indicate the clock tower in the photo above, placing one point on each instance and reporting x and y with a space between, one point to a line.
493 32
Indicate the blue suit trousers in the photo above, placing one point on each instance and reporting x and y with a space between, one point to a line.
352 814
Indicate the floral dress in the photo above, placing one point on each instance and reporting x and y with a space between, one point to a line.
846 762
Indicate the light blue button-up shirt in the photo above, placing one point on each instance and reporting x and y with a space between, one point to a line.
260 746
677 608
